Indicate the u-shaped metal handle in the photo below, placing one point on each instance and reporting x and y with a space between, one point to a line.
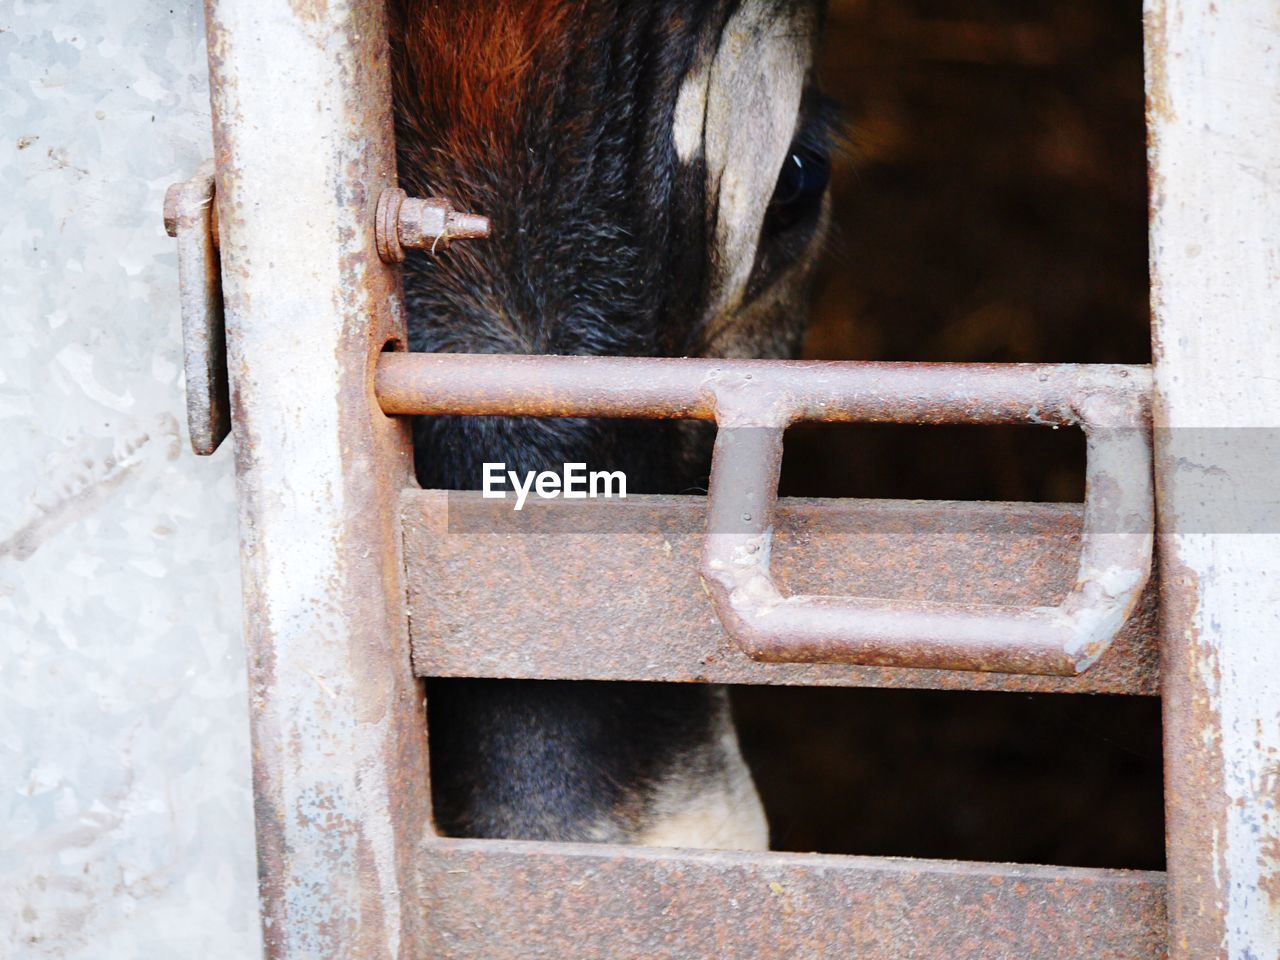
1115 562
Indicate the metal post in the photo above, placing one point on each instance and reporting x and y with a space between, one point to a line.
1212 75
303 134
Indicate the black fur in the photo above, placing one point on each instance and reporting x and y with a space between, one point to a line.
552 760
599 246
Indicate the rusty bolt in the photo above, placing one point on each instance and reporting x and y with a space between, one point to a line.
405 221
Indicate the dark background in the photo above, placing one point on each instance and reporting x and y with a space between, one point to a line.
991 206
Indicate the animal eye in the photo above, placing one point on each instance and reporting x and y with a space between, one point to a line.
801 184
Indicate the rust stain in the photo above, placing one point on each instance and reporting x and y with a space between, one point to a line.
1195 796
336 875
567 900
312 11
1156 31
1270 863
640 595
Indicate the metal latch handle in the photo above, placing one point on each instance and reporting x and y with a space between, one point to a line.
190 215
1115 561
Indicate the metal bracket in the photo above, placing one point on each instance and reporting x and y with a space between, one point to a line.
190 215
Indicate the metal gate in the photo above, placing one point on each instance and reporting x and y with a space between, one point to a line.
354 589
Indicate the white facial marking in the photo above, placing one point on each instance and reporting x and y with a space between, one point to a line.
691 112
752 101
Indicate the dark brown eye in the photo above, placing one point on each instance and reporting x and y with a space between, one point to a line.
802 182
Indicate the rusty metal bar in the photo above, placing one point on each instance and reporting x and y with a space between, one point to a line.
303 139
694 389
495 593
1213 70
601 903
754 401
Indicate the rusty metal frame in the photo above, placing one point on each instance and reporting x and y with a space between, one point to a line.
753 401
304 146
1213 116
350 865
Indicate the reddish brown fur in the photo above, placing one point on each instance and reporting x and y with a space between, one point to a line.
463 66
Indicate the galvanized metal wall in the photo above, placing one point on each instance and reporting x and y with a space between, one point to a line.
126 823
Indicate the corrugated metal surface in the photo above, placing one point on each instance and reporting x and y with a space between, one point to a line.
125 814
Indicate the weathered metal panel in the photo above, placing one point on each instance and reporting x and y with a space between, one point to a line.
585 902
125 810
1213 70
303 141
547 591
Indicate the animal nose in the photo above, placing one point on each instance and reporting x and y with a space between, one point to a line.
421 223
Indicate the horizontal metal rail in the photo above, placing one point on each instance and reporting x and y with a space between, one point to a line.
626 575
753 401
604 903
765 391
